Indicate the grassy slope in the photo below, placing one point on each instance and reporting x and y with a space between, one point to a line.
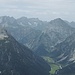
53 65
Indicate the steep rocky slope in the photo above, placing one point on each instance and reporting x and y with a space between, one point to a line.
65 52
16 59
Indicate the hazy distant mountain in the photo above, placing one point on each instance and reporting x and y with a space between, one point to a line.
13 26
54 33
60 26
6 21
16 59
33 32
32 22
72 24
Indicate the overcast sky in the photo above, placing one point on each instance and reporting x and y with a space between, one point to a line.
42 9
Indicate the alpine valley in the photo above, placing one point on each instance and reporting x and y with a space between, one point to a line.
29 46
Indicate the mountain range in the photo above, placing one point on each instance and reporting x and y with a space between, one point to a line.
16 59
53 41
64 53
30 31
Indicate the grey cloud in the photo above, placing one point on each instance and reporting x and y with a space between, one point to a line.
43 9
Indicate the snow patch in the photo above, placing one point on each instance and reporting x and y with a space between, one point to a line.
35 23
29 23
22 24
